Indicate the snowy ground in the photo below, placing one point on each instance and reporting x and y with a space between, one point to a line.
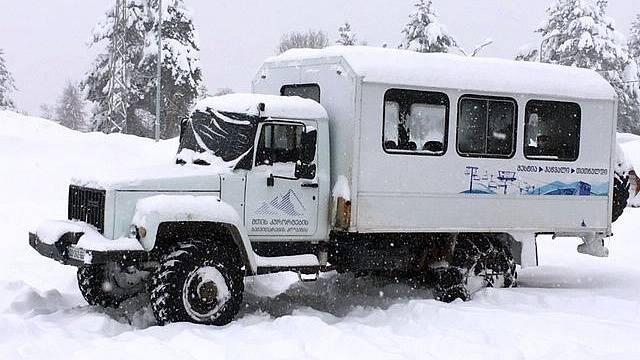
572 307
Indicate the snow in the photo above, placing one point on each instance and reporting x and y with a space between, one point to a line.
284 261
50 231
392 66
282 107
161 175
93 240
341 188
631 150
571 307
180 207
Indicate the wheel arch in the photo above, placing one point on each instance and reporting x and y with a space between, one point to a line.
170 233
170 217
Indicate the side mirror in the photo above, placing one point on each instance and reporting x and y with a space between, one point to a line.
308 153
305 171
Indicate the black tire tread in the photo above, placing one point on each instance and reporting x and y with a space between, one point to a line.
167 280
620 195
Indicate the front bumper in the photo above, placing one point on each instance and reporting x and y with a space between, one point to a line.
66 252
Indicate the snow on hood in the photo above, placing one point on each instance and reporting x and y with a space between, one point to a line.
285 107
157 178
450 71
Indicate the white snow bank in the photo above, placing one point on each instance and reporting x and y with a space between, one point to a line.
285 107
20 126
631 151
624 138
392 66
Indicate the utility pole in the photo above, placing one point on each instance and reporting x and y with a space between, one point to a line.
118 89
159 71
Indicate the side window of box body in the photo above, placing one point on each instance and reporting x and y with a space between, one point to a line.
487 127
305 91
552 130
415 122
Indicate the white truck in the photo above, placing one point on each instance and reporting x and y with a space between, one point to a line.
365 160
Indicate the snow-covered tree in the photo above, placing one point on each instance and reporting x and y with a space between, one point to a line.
346 37
181 72
47 112
579 33
297 40
7 85
98 79
634 39
424 32
224 91
529 52
70 109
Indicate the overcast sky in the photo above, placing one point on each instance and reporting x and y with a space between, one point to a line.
45 42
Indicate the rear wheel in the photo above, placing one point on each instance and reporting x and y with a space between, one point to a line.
620 195
199 282
479 261
108 285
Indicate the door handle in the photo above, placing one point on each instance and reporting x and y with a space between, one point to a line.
309 185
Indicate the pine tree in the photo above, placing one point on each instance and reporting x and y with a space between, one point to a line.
181 72
634 39
346 37
70 109
97 80
578 33
424 32
7 85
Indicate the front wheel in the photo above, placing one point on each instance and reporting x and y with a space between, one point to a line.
108 285
199 282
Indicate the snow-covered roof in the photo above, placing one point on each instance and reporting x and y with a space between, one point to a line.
447 71
285 107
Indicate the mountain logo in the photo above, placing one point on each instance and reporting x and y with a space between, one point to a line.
287 204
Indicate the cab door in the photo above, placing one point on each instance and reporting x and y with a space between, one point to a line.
282 187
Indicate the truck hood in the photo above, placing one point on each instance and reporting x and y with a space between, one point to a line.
161 178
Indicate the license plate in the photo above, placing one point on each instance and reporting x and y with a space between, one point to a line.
75 253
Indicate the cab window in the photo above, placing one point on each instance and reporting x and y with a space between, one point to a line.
289 149
279 143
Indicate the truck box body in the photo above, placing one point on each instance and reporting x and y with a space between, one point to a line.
448 189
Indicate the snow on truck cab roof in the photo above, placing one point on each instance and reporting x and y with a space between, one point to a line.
447 71
277 107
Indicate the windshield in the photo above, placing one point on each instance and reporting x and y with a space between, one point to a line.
210 137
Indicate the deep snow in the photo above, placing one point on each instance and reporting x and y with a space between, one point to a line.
572 307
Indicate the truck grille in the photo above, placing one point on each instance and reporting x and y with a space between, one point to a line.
87 205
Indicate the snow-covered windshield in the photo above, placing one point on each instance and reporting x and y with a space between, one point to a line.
209 137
